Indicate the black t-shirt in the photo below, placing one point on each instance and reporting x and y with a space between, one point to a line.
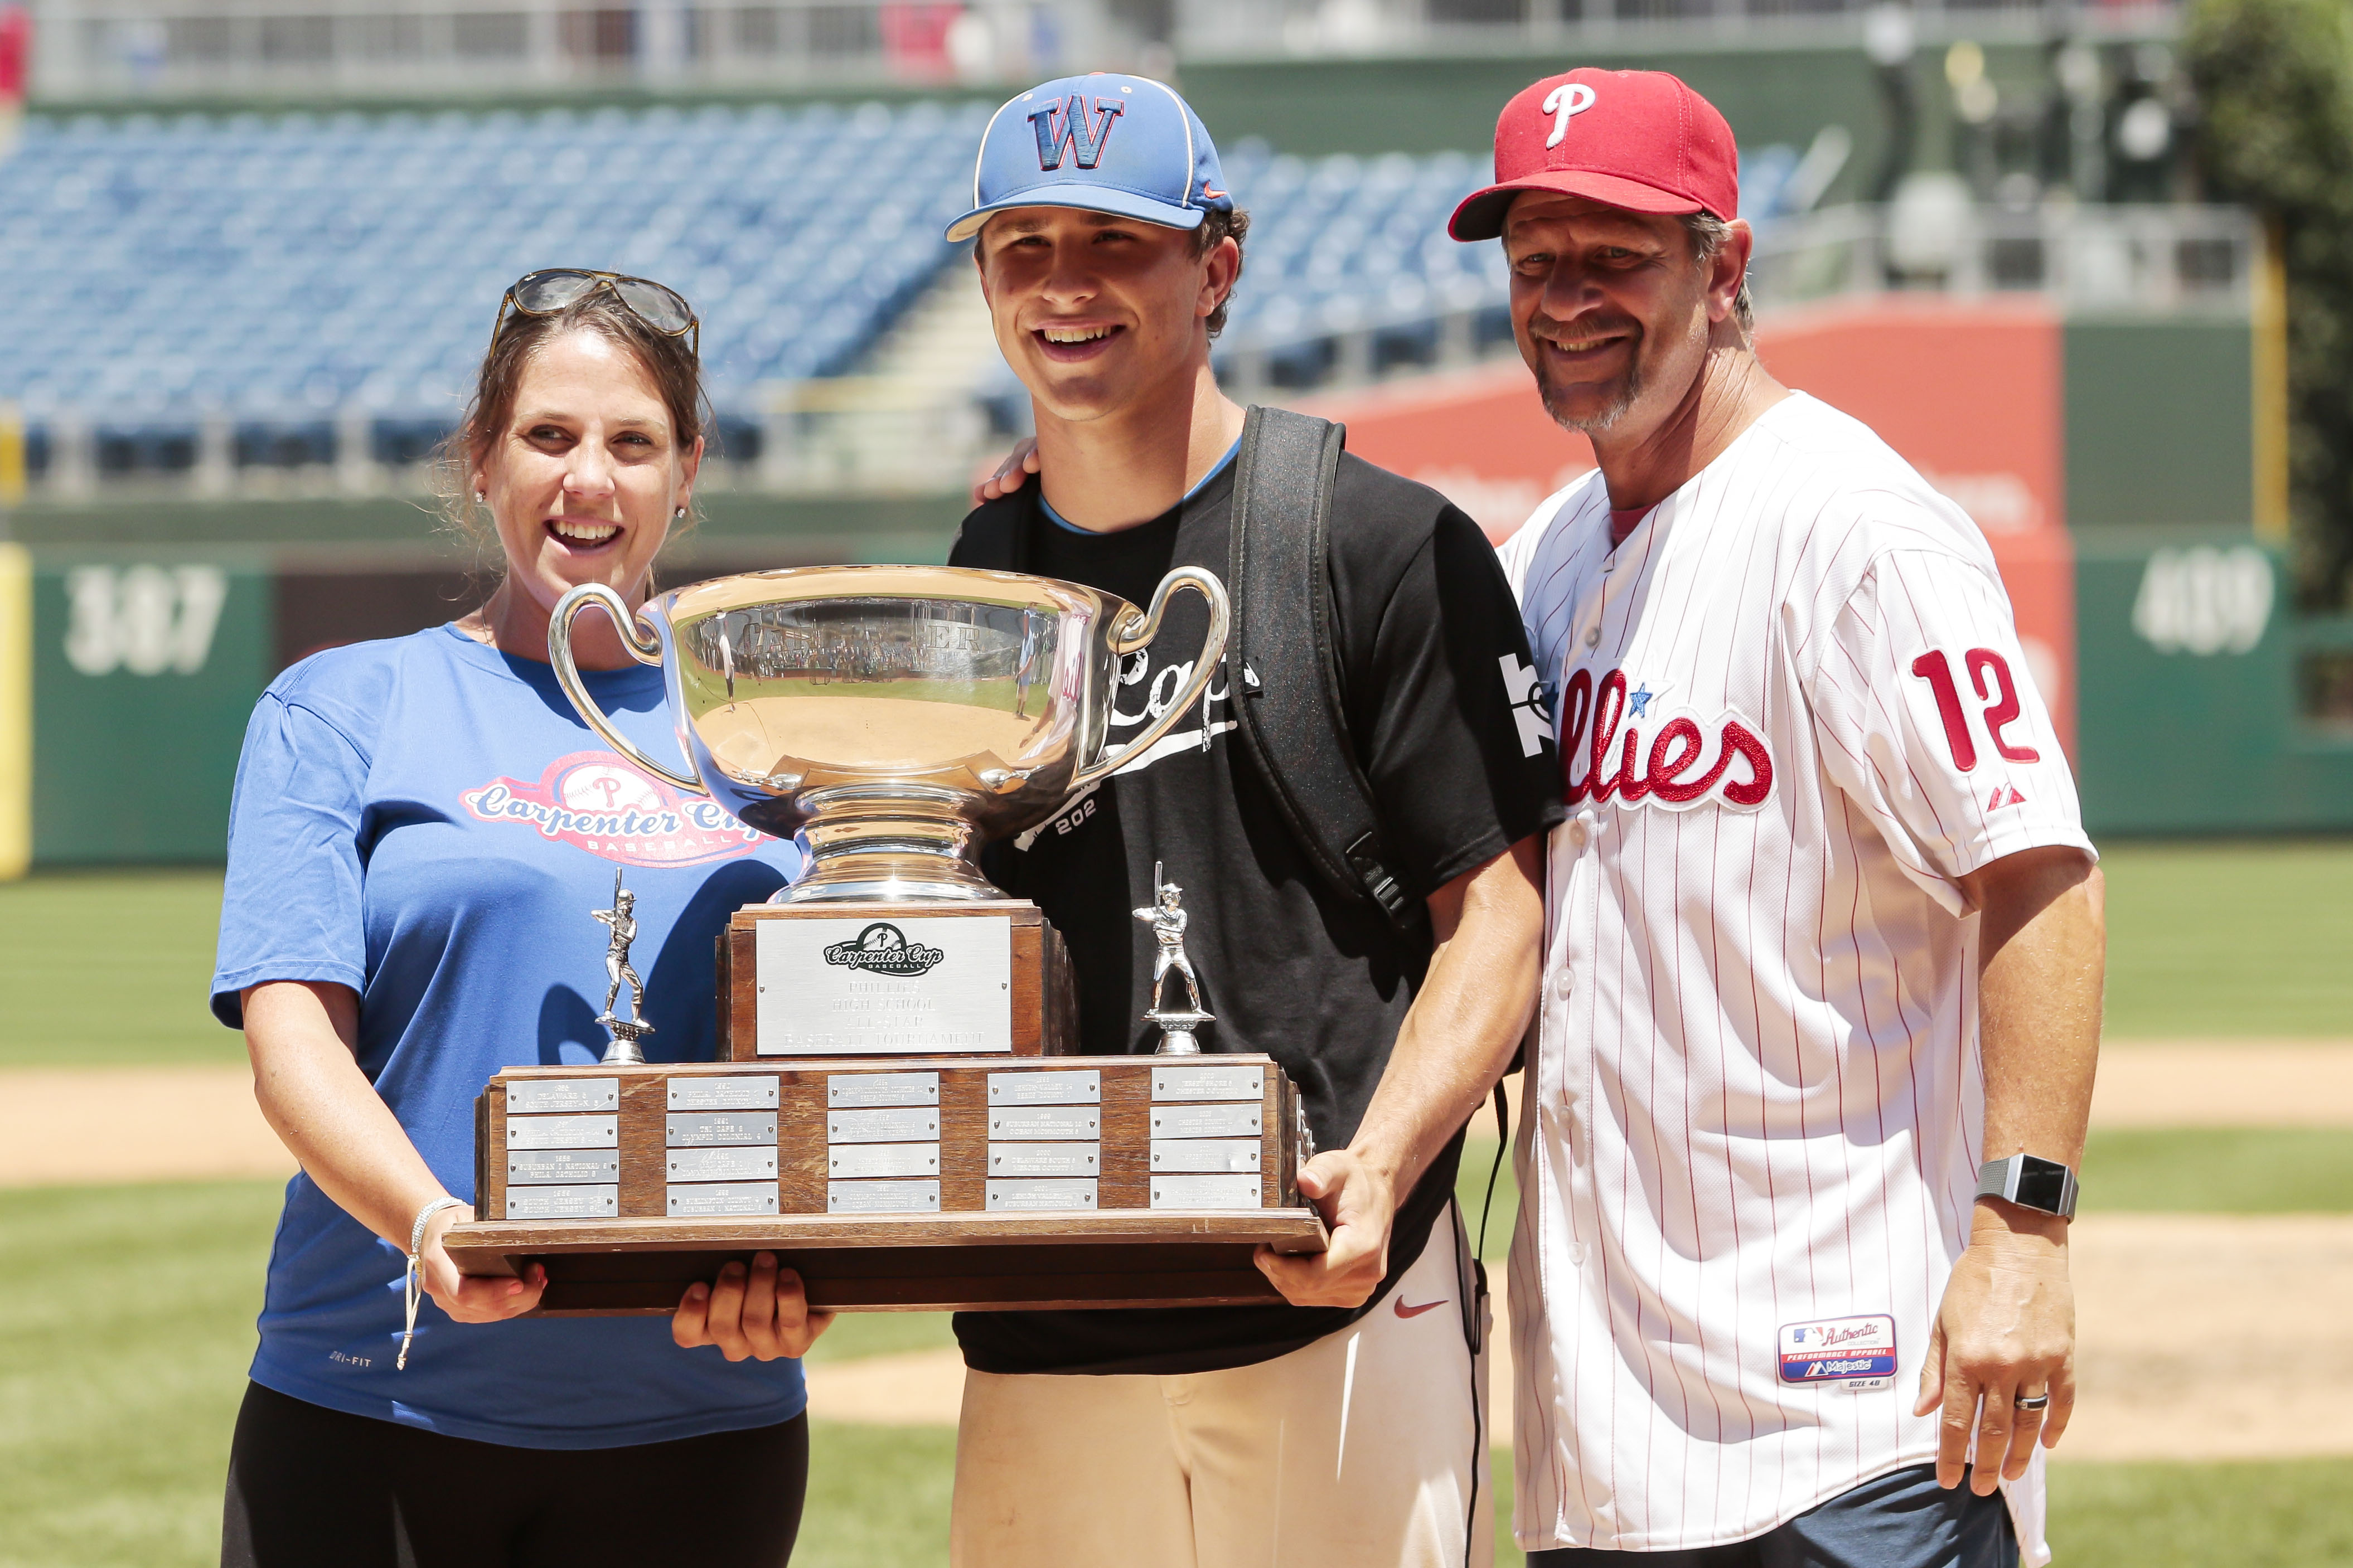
1425 630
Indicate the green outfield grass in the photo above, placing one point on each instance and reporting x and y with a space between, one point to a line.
102 968
2226 940
126 1322
2230 939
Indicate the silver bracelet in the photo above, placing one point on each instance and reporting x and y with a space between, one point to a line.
412 1284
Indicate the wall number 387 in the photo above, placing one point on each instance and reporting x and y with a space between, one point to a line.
1990 678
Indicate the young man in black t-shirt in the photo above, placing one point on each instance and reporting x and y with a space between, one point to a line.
1344 1428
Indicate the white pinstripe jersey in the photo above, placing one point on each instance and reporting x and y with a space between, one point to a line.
1792 710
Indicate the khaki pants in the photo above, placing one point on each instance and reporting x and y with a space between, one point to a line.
1357 1451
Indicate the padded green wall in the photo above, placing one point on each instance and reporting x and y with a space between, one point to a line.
132 761
2172 740
2160 421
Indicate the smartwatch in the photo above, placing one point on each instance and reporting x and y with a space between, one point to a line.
2031 1182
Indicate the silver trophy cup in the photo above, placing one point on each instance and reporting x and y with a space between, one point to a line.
899 716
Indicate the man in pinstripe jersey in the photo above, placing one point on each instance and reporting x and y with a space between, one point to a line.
1822 934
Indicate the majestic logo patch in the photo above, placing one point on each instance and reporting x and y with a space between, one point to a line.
594 801
1064 126
1602 754
1563 103
883 949
1857 1351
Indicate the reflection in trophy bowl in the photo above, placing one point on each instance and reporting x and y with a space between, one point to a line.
898 715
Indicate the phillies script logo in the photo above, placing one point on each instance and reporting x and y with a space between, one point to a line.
1675 769
883 949
596 802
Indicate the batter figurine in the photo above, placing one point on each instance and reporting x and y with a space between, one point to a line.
1167 919
626 1032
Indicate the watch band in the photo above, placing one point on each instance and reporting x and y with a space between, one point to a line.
2031 1182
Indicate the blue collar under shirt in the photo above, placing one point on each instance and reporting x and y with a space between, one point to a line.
1216 469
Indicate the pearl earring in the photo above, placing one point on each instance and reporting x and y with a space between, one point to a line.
481 499
680 515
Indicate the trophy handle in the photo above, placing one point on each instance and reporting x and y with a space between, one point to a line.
1137 631
644 647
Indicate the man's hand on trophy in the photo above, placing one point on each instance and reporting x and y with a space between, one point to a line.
1358 1203
1010 474
760 1313
474 1298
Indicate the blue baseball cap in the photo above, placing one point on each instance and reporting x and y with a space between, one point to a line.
1105 143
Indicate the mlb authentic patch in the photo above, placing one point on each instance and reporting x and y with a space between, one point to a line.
1854 1352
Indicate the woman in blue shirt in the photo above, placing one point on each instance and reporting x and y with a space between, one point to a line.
421 828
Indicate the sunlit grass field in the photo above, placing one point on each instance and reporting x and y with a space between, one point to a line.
126 1321
126 1313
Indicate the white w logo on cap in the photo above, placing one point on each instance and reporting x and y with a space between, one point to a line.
1570 98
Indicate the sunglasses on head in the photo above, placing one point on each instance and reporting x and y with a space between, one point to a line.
551 288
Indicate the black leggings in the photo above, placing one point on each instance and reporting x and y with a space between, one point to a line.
313 1487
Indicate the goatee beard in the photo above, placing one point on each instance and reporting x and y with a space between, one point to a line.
1589 423
1556 398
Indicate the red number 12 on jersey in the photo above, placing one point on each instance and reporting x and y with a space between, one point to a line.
2000 711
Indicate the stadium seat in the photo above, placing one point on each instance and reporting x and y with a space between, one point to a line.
284 270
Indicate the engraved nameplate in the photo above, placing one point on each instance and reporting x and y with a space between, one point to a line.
881 1197
564 1132
1045 1159
1205 1121
718 1199
858 987
563 1166
729 1093
1209 1083
843 1090
1046 1087
1205 1192
1044 1122
857 1160
563 1203
882 1126
747 1163
703 1130
1019 1195
539 1096
1183 1154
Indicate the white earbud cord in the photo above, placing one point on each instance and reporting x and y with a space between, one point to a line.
413 1284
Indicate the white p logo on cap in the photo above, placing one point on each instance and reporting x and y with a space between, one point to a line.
1569 98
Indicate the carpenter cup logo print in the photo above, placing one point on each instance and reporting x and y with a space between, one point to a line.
1065 126
1564 103
883 949
596 802
1603 730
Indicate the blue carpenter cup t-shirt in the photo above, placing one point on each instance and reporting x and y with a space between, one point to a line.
427 821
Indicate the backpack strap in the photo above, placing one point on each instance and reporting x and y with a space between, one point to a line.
1283 662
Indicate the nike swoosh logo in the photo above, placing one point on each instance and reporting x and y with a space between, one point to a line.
1210 193
1405 1311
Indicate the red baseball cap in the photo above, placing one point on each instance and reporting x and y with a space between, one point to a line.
1638 140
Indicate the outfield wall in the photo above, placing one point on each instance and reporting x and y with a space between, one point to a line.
2109 460
129 665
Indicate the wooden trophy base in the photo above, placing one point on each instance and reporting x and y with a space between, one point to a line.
901 1183
985 977
905 1263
